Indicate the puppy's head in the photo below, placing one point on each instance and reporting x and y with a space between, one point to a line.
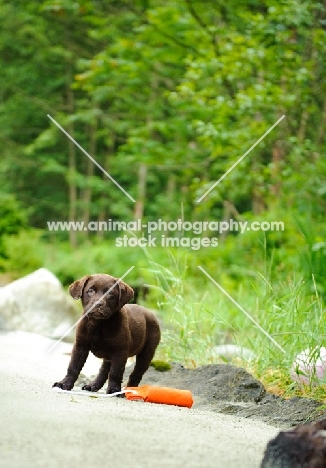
102 295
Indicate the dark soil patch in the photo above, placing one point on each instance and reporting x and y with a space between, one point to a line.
227 389
232 390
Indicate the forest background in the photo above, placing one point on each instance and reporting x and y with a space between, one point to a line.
166 96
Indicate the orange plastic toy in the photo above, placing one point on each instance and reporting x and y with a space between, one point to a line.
164 395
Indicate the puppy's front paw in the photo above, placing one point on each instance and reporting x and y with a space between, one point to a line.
90 388
115 390
87 387
65 384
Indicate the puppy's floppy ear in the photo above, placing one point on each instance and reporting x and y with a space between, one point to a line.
126 293
76 288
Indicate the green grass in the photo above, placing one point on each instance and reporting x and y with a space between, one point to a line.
199 316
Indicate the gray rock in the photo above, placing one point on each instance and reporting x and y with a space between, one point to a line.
37 303
231 351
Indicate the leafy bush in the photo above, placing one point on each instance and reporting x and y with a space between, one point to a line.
12 218
22 253
104 257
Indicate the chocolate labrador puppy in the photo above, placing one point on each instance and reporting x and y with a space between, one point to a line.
112 331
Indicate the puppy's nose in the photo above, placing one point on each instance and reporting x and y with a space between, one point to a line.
100 303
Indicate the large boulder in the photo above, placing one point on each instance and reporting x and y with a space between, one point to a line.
38 303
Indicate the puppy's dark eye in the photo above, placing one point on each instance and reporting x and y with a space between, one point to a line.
107 292
91 291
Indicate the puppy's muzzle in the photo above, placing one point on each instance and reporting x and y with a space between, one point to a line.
98 309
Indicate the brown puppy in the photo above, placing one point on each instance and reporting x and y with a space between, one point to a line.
112 331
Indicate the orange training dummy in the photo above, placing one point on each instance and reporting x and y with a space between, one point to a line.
165 395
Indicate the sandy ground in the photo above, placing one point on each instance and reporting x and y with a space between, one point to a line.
41 428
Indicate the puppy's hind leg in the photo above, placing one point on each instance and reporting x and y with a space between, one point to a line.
101 378
143 361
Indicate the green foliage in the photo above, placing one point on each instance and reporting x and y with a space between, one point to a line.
183 88
102 257
12 216
195 321
12 219
313 256
22 253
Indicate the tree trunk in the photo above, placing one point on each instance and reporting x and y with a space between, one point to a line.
87 198
321 130
139 207
170 187
104 212
303 126
229 210
101 218
277 158
72 166
258 203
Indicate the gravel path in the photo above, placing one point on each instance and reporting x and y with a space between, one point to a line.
41 428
